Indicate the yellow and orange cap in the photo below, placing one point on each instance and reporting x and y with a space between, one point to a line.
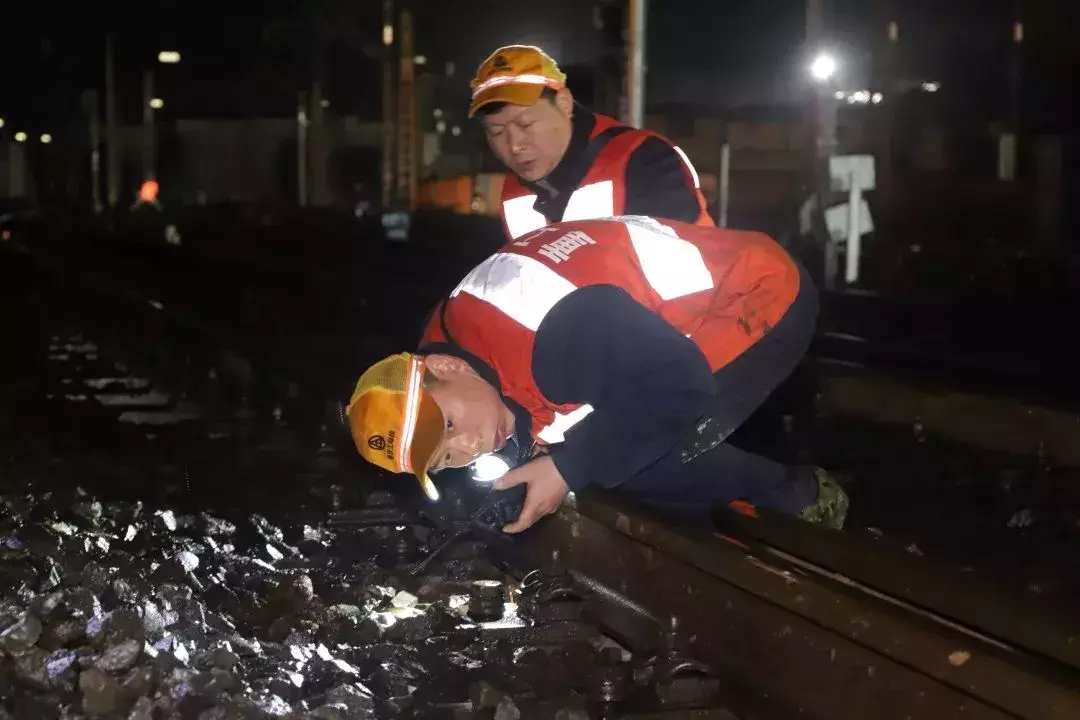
395 422
515 74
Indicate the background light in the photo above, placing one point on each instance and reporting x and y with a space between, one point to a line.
20 137
168 57
46 138
157 103
1 123
823 67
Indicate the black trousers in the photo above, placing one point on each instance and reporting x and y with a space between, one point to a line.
704 469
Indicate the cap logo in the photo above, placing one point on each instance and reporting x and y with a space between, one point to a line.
377 442
500 63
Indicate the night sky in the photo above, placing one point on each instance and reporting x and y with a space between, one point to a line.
709 52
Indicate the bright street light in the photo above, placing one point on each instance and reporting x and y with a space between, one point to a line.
20 137
823 67
46 138
157 103
1 123
168 57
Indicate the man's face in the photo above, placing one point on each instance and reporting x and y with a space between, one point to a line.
477 420
531 139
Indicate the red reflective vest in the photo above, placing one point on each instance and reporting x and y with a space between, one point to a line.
602 193
724 289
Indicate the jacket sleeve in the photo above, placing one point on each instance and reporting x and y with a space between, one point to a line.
646 382
657 184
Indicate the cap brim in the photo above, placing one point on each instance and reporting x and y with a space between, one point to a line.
430 429
513 93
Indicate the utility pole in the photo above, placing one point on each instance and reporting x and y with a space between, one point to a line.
111 140
388 105
635 81
149 158
406 146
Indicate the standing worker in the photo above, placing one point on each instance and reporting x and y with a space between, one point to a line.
567 163
619 352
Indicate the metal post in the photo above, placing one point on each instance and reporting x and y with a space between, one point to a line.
301 149
854 238
1009 141
149 135
389 105
406 120
93 112
725 183
111 139
635 82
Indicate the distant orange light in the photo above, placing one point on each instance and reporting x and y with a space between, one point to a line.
149 191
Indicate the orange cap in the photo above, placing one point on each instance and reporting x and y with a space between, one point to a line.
395 422
515 74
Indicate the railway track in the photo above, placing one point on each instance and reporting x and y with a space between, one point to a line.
760 620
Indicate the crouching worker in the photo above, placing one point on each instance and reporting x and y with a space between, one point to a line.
623 352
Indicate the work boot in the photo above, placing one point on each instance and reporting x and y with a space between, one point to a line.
831 506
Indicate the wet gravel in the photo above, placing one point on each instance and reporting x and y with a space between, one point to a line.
109 608
158 564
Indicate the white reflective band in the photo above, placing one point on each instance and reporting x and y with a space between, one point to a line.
412 406
516 80
556 431
521 287
673 266
589 202
520 216
690 167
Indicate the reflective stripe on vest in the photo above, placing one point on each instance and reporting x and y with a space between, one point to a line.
525 289
556 431
689 166
673 266
521 287
588 202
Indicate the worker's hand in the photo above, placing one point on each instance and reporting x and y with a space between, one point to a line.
545 491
